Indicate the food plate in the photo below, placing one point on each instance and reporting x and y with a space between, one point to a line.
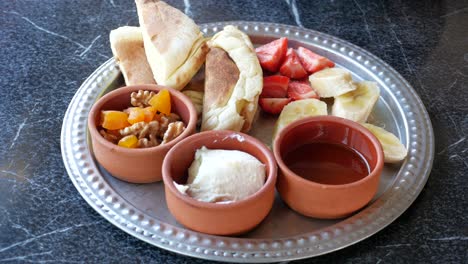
140 209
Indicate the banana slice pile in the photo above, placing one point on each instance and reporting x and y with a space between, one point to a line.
352 100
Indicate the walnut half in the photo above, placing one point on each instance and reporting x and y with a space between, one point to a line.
141 98
110 137
147 133
173 130
165 121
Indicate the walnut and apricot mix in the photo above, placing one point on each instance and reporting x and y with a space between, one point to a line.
149 122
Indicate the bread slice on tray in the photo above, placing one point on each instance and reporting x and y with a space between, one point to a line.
174 45
127 47
233 82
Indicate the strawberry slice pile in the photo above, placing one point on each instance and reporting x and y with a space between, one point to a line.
294 66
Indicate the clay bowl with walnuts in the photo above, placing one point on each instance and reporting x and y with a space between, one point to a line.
136 165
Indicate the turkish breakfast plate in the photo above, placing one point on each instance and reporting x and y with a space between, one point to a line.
141 210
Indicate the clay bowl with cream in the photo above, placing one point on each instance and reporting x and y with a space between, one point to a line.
230 218
321 183
136 165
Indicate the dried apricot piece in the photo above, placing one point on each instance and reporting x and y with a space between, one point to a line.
162 102
149 112
113 120
135 114
130 141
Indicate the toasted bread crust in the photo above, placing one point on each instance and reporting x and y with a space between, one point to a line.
221 75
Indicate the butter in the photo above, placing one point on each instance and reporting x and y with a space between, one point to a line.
218 175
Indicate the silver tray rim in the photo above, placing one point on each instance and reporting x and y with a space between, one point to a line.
409 182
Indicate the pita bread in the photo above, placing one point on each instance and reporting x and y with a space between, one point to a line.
234 81
174 45
129 52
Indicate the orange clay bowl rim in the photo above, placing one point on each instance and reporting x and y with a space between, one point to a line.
331 119
220 135
151 87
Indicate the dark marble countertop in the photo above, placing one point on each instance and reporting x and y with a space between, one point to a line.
48 48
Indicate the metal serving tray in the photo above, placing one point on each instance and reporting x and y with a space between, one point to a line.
141 211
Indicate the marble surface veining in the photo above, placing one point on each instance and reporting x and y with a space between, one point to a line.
48 48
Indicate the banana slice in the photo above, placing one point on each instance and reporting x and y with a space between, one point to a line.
357 105
297 110
393 150
332 82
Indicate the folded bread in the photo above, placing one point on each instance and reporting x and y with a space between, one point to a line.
129 52
174 45
233 82
197 99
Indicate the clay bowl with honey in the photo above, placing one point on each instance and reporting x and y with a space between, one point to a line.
136 165
232 218
329 167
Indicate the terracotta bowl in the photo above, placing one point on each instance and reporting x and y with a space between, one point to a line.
323 200
136 165
218 218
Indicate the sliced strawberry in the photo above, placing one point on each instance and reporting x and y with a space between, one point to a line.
303 80
273 105
313 62
292 66
272 54
275 86
301 90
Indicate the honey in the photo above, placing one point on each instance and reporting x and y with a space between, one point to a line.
327 163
